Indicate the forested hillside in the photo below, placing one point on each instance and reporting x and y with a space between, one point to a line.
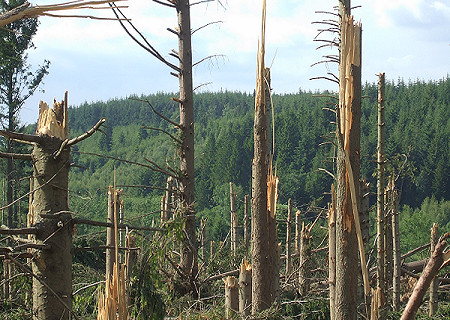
417 116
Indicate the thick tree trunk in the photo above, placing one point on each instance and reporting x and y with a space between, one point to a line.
188 261
262 260
348 141
53 265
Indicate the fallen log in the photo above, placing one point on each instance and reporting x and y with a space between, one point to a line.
438 260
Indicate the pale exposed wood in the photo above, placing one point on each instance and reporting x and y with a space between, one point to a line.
304 274
53 121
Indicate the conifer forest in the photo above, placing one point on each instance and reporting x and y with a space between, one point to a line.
223 205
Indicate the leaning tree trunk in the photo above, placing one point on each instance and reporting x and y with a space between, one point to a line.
188 261
348 146
53 264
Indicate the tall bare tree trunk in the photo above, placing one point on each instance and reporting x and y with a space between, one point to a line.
246 237
332 253
288 240
348 146
381 279
304 273
396 252
188 262
53 265
110 234
233 221
434 283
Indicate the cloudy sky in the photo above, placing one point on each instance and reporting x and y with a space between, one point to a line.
95 60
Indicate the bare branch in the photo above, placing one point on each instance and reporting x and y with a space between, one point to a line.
159 114
208 24
202 1
171 5
147 46
31 230
208 58
324 78
87 134
21 136
15 156
119 225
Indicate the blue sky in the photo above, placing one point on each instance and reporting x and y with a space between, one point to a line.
96 61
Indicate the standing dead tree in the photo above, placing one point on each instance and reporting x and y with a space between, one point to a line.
50 217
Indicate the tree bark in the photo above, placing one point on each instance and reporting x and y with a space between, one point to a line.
54 265
246 238
110 235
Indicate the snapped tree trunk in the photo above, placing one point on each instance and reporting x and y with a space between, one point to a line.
51 177
348 142
304 274
231 297
245 288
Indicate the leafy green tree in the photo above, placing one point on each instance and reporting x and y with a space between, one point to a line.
17 81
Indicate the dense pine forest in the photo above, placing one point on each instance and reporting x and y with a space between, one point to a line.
417 136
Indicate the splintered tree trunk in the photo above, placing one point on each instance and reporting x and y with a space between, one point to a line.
304 274
434 283
51 177
262 258
245 288
348 146
188 261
